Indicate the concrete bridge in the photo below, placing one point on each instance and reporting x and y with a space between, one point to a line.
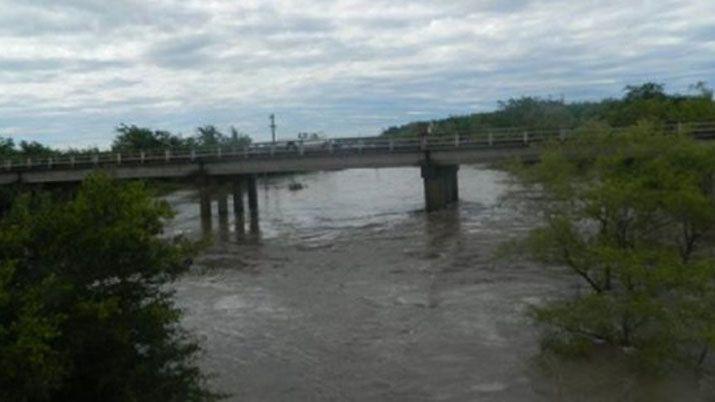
234 170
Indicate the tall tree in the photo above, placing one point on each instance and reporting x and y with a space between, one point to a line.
85 310
135 139
631 216
7 146
35 149
239 139
209 136
649 90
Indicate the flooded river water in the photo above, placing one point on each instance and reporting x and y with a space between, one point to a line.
351 292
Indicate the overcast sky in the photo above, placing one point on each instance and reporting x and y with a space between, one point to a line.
72 70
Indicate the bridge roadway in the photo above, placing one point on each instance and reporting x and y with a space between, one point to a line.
265 158
438 157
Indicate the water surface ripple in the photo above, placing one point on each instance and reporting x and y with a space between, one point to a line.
352 293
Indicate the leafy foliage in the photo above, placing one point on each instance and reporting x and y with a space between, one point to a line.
7 146
631 215
25 148
136 139
35 149
133 138
646 101
209 137
85 314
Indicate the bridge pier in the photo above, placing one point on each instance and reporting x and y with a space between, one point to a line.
205 207
238 208
441 185
253 202
222 196
235 188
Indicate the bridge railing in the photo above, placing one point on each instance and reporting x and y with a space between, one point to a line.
335 146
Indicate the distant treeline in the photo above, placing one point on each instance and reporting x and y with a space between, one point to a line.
130 139
648 101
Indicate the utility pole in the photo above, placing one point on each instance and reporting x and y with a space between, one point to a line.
273 127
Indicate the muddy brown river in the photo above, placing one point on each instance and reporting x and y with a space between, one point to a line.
351 293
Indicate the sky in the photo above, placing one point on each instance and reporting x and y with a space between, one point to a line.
72 70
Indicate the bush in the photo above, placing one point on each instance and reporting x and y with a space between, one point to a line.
631 215
85 314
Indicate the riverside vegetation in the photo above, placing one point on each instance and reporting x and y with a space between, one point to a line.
631 216
645 101
86 314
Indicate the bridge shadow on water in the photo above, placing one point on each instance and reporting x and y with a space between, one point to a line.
443 230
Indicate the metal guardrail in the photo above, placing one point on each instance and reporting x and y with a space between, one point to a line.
509 137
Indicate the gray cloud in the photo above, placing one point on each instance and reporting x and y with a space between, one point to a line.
71 65
71 70
79 16
183 52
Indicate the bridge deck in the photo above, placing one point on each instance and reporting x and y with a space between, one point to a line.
374 152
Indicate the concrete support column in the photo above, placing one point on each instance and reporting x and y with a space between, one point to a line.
441 185
205 207
222 212
222 204
238 208
253 202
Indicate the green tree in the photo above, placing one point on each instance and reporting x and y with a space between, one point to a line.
7 146
649 90
136 139
210 137
639 102
85 312
631 216
34 149
239 139
702 90
534 113
133 138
